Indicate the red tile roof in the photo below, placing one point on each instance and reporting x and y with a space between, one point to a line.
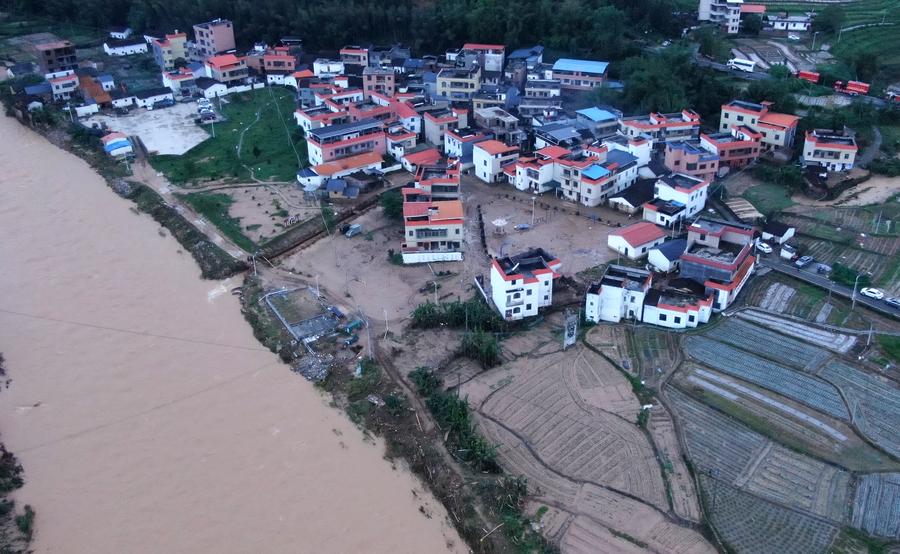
222 61
640 233
428 156
477 46
495 147
753 8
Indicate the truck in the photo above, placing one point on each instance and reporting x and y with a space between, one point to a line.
742 65
853 88
811 76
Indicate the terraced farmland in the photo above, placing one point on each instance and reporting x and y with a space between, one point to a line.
751 525
715 442
808 390
884 219
800 481
566 432
770 344
874 403
876 508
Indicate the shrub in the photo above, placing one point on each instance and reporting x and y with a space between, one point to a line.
25 522
482 347
847 276
392 204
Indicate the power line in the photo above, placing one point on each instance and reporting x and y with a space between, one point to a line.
131 331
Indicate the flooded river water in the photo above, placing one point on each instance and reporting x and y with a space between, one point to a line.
145 414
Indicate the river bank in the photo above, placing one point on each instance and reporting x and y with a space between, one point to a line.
147 417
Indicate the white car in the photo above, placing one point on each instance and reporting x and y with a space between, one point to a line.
763 247
793 37
877 294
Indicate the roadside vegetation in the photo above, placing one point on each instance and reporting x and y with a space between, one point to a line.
267 145
16 529
214 207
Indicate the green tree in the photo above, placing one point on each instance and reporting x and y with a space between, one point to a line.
752 24
829 20
180 62
392 204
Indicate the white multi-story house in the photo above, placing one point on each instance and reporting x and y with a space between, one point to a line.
831 150
327 68
523 283
490 157
618 295
677 197
726 13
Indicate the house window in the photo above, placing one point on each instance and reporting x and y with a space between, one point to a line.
740 118
546 297
527 306
691 318
529 292
517 310
677 319
662 317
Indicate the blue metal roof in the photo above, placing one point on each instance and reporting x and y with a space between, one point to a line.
596 114
672 249
105 78
525 53
620 157
583 66
595 172
38 89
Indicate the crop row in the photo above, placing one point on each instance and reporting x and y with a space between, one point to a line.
772 345
820 337
875 403
876 508
751 525
808 390
715 442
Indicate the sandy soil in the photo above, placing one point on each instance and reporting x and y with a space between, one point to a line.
164 131
874 191
256 205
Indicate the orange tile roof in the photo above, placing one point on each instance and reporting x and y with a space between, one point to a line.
343 164
553 151
495 147
753 8
428 156
780 119
640 233
224 60
477 46
303 74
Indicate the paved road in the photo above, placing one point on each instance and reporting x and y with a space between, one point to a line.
809 275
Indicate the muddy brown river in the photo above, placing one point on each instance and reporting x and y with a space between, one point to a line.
145 414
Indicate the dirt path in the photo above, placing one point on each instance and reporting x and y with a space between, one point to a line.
871 151
876 190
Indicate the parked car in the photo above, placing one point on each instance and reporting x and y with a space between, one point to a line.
803 261
793 37
892 302
763 247
877 294
354 230
349 341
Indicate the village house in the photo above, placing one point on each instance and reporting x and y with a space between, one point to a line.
677 197
333 142
792 23
378 80
327 68
777 129
685 157
522 284
355 56
169 49
635 240
725 13
540 97
116 144
456 83
213 38
828 149
433 216
417 157
663 127
601 122
502 125
317 175
719 256
120 32
489 157
666 257
632 199
775 231
618 295
181 82
400 140
579 74
55 56
490 56
148 97
278 64
437 122
228 69
121 99
64 86
736 148
125 47
460 144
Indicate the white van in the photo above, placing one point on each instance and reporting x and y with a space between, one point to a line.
742 65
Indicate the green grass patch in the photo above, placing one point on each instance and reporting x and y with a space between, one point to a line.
266 147
214 207
890 345
768 198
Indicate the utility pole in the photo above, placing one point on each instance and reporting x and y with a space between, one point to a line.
385 324
533 200
435 292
